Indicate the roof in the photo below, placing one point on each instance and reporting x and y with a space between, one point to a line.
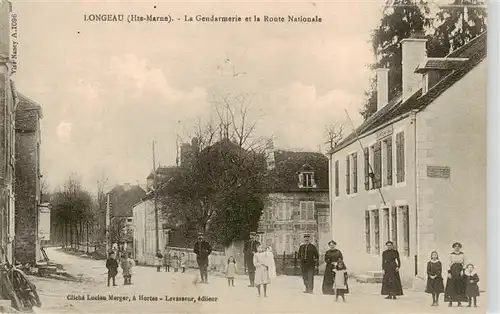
438 64
288 164
475 51
163 171
123 198
28 113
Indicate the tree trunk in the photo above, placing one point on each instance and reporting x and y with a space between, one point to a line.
87 237
77 237
71 235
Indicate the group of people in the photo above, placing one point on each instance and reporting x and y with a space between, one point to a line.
126 263
461 284
259 264
168 259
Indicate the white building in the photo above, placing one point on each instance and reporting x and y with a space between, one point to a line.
420 179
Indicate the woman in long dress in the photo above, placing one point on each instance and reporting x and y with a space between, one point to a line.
391 282
455 284
261 263
332 256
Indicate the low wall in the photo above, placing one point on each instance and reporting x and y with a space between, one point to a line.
216 260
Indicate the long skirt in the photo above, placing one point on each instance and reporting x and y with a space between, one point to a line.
391 283
434 285
328 280
261 275
455 286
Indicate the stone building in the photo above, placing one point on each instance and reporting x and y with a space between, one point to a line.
297 197
27 180
420 180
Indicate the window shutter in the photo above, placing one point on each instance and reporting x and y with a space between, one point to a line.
400 157
347 176
389 161
355 173
367 168
337 178
377 165
367 231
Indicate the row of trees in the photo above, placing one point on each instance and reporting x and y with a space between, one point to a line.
447 29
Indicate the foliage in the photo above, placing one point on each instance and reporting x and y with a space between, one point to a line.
450 29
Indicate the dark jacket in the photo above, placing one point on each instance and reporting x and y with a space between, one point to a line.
112 266
308 255
202 249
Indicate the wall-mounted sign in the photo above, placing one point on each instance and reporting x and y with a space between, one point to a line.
438 172
384 132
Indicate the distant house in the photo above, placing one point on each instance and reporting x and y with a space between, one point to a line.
298 201
421 179
120 202
144 225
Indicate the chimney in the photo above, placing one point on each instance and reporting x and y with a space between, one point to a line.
414 52
382 88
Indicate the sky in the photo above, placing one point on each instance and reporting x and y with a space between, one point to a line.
108 89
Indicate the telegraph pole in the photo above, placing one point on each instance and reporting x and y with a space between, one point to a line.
155 189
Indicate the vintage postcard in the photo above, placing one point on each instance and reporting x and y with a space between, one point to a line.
227 157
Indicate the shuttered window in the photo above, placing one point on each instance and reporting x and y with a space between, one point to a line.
347 175
389 160
400 157
367 168
405 215
367 231
377 165
376 223
337 178
394 226
355 173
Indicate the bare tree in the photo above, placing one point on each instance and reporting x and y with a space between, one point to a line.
334 135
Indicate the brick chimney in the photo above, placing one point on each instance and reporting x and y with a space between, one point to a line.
414 52
382 87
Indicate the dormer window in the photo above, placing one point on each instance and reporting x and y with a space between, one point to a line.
306 177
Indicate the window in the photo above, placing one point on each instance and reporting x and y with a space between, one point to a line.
367 231
400 157
376 223
281 214
288 210
347 175
377 165
406 230
355 173
388 161
308 179
337 178
394 226
367 168
307 210
129 220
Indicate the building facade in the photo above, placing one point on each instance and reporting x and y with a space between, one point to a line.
298 195
419 176
27 180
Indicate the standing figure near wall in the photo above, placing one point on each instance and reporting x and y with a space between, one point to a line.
332 256
308 256
202 249
391 282
249 250
455 285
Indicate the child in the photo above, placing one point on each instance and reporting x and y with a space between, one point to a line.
175 262
260 260
230 270
112 266
158 259
127 264
471 288
166 257
435 284
183 262
340 280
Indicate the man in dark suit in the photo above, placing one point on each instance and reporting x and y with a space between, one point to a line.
308 256
249 250
202 249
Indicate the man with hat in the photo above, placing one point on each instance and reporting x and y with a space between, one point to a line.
308 256
202 249
249 249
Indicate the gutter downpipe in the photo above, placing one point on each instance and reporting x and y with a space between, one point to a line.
415 195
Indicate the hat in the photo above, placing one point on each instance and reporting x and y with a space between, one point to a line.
456 244
253 233
332 241
306 236
389 242
200 234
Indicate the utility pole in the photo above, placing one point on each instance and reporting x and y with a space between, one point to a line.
155 189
